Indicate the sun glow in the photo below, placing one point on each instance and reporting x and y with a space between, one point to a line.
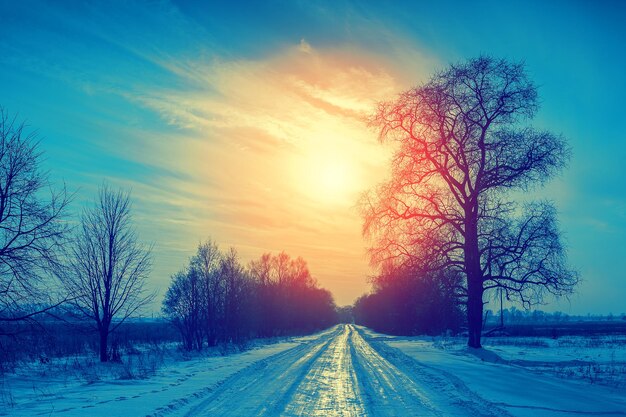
330 177
289 152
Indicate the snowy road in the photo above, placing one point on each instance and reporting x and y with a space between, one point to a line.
344 371
340 374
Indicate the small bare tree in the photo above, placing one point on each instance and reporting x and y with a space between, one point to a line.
32 230
206 264
236 295
109 265
184 305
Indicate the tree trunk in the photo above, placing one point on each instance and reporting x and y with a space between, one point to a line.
104 336
501 311
474 281
474 312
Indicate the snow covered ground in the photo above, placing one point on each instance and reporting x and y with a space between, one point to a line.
595 359
344 371
521 376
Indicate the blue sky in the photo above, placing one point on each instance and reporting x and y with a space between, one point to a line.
219 115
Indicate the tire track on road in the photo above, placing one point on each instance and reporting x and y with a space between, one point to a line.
450 394
388 390
263 388
330 388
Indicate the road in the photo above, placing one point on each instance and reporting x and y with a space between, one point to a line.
343 372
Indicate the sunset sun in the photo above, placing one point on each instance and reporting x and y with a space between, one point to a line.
333 177
329 177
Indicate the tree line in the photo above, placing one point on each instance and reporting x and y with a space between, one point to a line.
406 301
215 299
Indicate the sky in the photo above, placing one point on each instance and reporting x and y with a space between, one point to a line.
243 121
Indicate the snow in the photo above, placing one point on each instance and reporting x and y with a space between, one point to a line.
344 371
172 387
499 376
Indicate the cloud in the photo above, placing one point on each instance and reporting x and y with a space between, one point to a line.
305 47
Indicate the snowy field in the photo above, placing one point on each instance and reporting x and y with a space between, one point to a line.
599 360
531 376
344 371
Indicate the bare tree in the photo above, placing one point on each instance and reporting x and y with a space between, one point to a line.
183 305
109 265
194 300
283 285
209 299
261 272
206 265
463 146
261 269
32 227
237 286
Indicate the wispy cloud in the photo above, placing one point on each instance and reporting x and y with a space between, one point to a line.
262 129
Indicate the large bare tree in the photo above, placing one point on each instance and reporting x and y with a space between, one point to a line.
109 265
33 229
464 146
